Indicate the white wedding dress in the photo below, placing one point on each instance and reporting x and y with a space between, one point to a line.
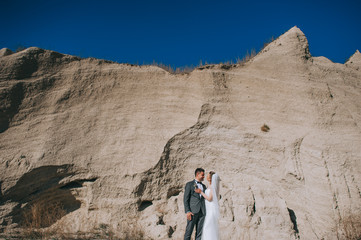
210 225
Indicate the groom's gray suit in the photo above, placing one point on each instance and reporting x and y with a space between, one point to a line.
194 203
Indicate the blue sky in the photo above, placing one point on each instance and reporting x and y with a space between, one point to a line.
178 33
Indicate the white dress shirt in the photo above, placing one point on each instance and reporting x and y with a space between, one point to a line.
200 186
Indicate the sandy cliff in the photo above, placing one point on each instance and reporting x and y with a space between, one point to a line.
114 144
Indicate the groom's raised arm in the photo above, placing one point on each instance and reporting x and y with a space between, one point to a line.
186 198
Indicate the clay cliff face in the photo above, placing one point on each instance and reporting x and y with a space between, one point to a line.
114 144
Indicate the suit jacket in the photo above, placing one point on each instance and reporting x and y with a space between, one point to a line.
192 201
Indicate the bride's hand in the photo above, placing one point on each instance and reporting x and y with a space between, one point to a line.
198 190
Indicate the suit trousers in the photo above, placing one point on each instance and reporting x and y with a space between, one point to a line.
198 220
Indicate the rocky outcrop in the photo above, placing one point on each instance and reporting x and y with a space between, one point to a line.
288 53
5 52
33 62
355 60
114 144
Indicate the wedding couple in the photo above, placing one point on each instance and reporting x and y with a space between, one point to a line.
201 206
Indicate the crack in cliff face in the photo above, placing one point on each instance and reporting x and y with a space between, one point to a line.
297 158
293 162
254 206
294 222
356 185
227 208
348 188
335 200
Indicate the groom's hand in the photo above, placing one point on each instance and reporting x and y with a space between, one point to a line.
189 215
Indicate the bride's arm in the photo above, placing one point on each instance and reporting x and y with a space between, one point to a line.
210 197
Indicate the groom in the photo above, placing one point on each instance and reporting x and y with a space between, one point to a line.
194 205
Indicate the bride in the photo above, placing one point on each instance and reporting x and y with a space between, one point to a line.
210 226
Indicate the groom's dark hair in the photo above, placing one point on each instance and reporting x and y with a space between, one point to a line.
198 170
